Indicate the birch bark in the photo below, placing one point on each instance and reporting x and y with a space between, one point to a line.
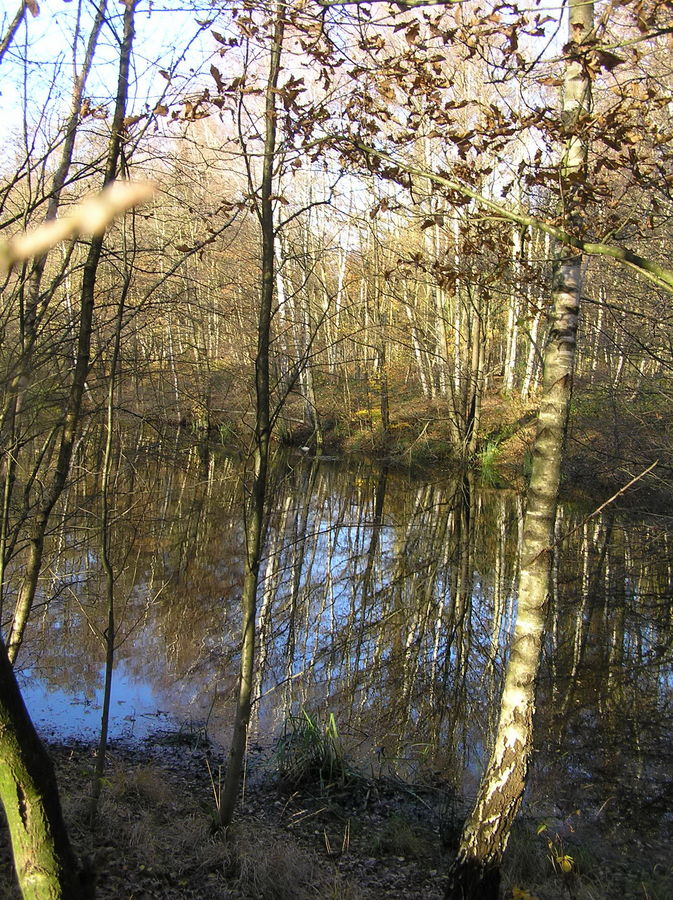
475 872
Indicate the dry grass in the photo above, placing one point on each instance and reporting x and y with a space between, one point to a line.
278 868
598 870
399 837
169 829
155 839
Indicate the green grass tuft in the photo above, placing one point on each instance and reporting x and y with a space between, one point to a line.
310 753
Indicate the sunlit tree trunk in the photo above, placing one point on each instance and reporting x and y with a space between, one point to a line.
256 507
301 331
531 363
45 864
412 312
541 245
513 313
475 873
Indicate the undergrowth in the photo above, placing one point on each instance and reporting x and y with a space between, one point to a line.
310 752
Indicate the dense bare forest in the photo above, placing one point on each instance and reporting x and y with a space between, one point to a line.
409 230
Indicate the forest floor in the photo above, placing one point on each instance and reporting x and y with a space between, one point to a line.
364 840
155 837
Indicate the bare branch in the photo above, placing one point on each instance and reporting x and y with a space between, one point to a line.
11 31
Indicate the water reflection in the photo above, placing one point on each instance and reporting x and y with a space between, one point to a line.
385 599
71 714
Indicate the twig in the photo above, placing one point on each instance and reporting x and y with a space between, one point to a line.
621 491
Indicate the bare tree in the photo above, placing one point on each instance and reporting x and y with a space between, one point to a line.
256 507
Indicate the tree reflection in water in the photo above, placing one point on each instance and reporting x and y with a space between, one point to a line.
387 600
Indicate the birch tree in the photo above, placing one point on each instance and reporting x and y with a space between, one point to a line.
475 872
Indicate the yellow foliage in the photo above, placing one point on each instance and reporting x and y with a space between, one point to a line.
565 863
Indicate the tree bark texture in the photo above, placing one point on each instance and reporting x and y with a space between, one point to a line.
45 864
475 873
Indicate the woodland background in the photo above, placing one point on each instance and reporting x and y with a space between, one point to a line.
366 217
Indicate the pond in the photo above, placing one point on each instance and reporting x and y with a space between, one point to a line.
387 600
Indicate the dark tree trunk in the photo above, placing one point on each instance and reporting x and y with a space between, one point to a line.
26 596
256 508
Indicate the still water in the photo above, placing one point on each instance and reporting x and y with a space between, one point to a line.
387 600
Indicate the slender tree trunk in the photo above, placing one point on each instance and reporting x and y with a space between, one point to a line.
512 335
109 634
45 863
18 392
475 381
531 364
254 526
475 873
74 404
